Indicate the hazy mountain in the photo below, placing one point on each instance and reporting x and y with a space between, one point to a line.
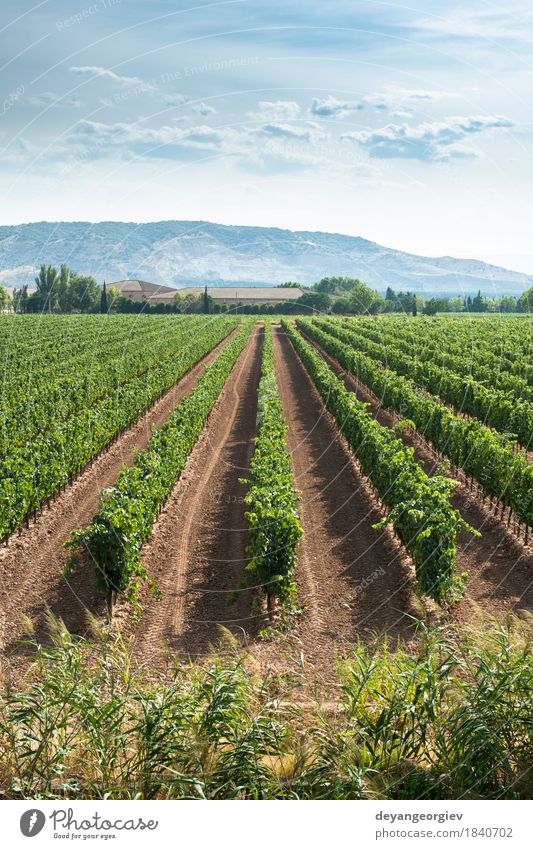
182 253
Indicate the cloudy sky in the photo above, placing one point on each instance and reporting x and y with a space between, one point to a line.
406 123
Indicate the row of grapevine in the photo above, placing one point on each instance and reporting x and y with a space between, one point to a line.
33 472
33 352
491 406
128 510
274 528
483 454
30 405
477 350
418 505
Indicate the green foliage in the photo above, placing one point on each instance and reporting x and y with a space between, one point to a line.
357 298
112 542
83 294
63 288
312 301
525 301
449 721
337 285
20 299
477 383
104 308
47 286
5 297
63 291
419 506
71 385
273 525
484 454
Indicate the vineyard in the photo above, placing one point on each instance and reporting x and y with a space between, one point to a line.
295 488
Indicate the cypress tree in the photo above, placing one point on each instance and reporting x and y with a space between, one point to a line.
103 300
206 301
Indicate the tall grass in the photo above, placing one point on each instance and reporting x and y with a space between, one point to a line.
451 721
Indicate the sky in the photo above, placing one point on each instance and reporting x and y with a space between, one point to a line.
410 124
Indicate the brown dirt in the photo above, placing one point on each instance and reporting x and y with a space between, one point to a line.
499 566
197 553
353 581
31 567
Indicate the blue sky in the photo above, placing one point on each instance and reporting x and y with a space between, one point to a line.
406 123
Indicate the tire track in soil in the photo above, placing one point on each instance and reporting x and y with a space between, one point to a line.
197 553
499 566
31 567
353 581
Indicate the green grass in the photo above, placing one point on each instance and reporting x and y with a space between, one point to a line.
450 721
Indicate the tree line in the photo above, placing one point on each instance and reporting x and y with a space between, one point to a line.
62 291
66 291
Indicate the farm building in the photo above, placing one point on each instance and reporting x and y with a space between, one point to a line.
139 290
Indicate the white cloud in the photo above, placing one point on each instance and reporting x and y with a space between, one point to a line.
431 142
272 110
274 146
138 139
287 131
330 107
97 71
393 98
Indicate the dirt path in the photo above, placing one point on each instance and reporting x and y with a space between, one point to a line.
197 551
353 581
31 566
499 567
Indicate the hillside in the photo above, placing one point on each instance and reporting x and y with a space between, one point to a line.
181 253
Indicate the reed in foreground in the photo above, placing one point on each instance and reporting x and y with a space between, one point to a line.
451 721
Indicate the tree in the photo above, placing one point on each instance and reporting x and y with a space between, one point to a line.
314 301
415 308
478 303
337 285
113 294
5 298
289 285
47 282
207 302
431 307
363 299
103 300
84 293
20 299
63 286
507 304
191 302
188 303
456 304
389 294
341 306
525 301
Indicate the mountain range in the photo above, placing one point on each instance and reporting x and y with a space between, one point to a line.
197 253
